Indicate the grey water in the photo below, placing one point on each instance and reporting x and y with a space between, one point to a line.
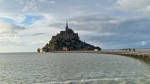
72 68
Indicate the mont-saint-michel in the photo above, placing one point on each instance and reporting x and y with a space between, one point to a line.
67 40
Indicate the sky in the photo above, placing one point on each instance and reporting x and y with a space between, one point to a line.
26 25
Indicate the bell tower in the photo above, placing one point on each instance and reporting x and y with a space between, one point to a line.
67 25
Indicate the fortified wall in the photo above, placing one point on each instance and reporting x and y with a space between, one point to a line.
67 41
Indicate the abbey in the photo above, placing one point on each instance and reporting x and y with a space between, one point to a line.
67 41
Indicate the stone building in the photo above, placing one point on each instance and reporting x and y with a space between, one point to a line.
67 41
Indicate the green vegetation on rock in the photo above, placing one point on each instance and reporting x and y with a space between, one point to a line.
67 41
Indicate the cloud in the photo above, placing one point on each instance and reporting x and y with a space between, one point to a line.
34 5
25 6
9 34
9 37
143 43
17 18
101 30
9 28
107 32
36 34
137 6
107 23
52 2
111 31
39 42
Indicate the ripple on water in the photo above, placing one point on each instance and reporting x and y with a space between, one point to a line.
71 68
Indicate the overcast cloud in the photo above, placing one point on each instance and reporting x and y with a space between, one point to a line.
26 25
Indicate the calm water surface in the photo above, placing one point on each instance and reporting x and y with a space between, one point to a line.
72 68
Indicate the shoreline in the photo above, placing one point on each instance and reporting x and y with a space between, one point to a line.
139 54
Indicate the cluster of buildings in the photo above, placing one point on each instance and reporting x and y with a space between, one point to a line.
67 41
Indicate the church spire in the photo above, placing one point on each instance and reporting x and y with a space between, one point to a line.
66 25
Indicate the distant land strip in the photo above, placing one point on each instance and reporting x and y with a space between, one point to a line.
141 53
138 54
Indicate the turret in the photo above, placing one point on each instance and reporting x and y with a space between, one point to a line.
67 25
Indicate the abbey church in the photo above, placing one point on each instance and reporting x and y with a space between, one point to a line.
67 41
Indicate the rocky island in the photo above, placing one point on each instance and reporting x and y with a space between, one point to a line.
67 41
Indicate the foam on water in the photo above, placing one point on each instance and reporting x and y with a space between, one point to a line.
100 81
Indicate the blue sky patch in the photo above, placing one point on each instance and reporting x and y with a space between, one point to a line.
31 19
8 20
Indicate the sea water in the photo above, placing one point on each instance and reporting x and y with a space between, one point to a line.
72 68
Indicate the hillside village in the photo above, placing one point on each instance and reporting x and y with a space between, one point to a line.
67 41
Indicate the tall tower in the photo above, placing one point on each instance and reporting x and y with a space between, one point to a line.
67 25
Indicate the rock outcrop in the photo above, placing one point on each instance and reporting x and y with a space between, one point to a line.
67 41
